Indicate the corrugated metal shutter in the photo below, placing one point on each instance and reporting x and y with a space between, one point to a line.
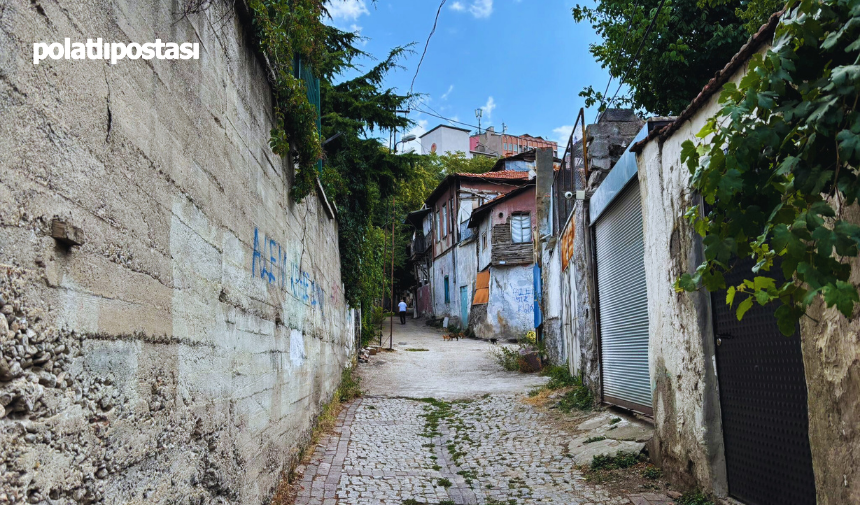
623 303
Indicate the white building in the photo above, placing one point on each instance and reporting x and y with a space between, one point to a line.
445 139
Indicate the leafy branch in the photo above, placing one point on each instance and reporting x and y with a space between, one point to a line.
778 164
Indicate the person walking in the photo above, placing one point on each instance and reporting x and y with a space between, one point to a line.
402 307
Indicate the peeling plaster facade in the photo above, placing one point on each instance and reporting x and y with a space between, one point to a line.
183 352
688 437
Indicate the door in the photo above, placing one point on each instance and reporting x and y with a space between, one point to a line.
623 303
464 306
763 403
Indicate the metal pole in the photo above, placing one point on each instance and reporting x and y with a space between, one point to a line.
382 321
391 332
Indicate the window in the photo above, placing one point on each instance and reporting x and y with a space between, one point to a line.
445 220
521 228
438 232
484 240
447 293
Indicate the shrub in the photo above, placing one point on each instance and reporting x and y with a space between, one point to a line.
579 398
507 357
652 472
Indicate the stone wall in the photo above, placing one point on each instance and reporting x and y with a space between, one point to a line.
183 351
831 359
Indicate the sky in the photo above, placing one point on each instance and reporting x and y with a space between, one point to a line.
523 62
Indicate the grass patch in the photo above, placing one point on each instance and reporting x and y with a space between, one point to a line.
578 398
694 498
594 439
620 460
411 349
615 420
444 482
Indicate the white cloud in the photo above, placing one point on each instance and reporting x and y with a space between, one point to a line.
481 8
445 94
562 135
478 8
346 9
488 109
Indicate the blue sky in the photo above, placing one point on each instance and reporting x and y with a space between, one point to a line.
522 61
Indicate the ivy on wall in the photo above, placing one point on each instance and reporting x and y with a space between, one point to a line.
290 31
779 163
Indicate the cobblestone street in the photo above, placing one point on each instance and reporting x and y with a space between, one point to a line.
472 447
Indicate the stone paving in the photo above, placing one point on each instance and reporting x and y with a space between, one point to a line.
491 449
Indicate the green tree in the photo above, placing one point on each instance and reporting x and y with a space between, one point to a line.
360 175
457 163
689 42
779 165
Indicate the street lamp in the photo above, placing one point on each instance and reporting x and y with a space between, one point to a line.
408 138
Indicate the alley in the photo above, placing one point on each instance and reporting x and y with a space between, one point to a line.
445 424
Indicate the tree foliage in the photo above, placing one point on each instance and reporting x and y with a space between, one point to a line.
690 41
288 31
778 165
360 174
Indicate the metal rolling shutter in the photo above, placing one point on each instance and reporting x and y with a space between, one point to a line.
623 305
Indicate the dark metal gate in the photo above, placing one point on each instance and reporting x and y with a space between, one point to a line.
763 402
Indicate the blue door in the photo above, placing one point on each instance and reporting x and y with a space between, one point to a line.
464 306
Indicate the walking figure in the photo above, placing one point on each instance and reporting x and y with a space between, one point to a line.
402 307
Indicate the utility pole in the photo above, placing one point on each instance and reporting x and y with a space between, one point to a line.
391 331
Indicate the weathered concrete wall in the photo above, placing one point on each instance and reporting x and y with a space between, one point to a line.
831 357
510 309
467 272
181 354
607 141
553 339
581 318
688 437
444 266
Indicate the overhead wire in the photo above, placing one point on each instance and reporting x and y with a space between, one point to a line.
426 44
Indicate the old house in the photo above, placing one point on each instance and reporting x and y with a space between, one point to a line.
739 410
453 249
503 304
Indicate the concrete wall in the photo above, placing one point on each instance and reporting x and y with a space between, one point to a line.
688 435
556 345
467 272
831 357
485 253
442 266
510 310
181 354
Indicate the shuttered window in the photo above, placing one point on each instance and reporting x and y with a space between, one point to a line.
521 228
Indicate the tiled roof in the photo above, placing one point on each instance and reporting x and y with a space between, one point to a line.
504 174
763 36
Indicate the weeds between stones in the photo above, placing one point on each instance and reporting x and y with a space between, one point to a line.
578 396
594 439
694 498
